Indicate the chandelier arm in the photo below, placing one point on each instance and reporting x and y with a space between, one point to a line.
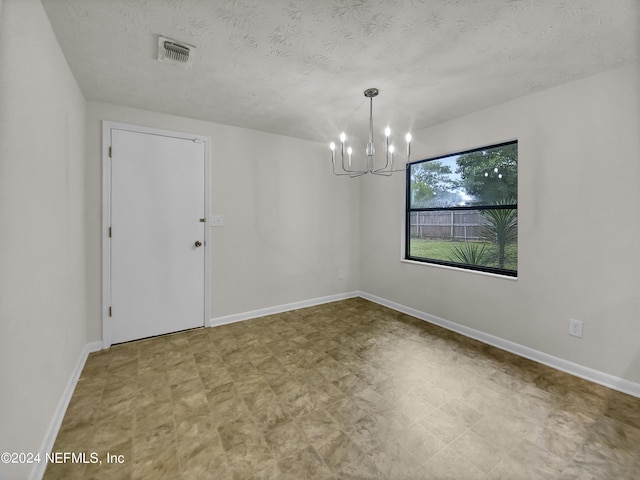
380 171
339 173
333 161
390 164
345 171
386 165
351 173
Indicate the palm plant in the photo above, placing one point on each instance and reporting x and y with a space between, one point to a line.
501 229
470 253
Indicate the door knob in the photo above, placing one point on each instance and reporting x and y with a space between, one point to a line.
198 243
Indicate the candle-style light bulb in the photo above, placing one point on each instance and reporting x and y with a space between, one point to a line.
408 139
332 147
391 150
343 137
387 132
349 152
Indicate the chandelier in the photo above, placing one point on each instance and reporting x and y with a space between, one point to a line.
344 167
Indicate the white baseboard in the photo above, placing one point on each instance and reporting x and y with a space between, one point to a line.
605 379
239 317
56 421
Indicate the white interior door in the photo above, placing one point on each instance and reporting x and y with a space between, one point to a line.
157 260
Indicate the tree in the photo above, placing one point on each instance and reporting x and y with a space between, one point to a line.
490 175
428 179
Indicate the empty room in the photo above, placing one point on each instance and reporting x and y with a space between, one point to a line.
341 239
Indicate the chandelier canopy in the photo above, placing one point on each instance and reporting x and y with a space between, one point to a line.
344 166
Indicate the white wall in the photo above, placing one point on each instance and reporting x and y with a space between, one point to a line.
288 222
579 226
42 254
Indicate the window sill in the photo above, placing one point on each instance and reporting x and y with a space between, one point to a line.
462 270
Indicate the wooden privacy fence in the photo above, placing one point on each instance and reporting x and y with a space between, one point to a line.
446 225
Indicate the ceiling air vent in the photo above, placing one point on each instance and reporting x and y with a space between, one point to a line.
172 51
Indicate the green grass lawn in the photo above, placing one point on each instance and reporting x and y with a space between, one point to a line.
442 250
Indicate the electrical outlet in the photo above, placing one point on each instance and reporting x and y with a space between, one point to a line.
216 221
575 327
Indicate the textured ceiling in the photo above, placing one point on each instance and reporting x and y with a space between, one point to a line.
299 67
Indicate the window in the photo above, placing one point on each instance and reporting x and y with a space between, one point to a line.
462 210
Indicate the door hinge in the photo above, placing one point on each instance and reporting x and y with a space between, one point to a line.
110 311
109 152
202 220
109 232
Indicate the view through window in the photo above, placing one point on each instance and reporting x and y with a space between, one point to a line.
462 209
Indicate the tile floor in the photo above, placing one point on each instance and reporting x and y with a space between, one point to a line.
346 390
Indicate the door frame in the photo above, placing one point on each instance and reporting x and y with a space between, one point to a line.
107 127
